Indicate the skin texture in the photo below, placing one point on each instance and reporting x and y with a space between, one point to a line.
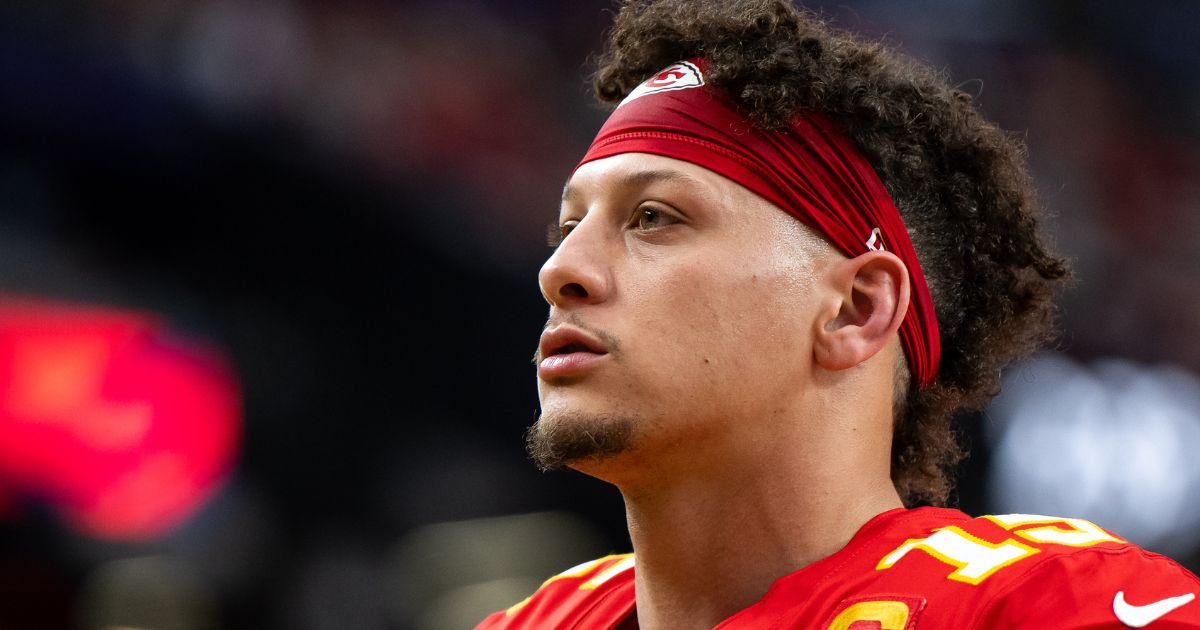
745 408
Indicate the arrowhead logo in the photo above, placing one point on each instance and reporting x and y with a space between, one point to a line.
677 76
1142 616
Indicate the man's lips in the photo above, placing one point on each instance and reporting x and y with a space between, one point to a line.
567 339
568 350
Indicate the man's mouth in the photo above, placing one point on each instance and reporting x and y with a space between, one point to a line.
572 347
567 350
569 340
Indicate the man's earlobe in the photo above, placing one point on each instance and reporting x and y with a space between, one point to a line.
874 296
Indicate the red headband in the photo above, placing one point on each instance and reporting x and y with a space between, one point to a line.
811 170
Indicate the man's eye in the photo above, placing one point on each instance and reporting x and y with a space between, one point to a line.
650 218
556 232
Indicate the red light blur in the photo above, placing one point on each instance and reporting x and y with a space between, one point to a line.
124 429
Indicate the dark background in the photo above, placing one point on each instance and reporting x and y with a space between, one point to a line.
350 200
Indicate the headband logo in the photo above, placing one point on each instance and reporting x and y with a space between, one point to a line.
678 76
875 243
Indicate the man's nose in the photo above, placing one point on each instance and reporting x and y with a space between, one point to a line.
578 272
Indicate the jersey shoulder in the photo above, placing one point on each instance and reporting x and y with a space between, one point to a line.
996 549
1036 571
594 594
1098 587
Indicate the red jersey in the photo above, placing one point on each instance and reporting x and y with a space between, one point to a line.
921 569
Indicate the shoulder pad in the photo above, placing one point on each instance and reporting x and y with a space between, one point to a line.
980 548
570 595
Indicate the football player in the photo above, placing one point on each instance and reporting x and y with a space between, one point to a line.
788 257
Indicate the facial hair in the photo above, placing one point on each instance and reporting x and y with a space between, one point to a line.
558 440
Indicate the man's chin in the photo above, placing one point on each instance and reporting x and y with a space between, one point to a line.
574 440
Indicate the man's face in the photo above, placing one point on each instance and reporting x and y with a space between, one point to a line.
680 318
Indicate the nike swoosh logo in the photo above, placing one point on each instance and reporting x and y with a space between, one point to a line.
1142 616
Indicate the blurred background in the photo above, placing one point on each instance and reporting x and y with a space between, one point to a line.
268 296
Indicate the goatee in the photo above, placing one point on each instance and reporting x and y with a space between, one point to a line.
555 441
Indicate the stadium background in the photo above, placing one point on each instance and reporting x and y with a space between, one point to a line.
322 223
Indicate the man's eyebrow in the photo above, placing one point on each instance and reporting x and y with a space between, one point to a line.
639 179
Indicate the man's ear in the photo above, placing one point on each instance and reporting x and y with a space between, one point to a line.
874 292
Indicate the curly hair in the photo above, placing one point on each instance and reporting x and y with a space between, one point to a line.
961 185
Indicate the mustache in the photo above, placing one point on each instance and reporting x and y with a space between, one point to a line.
611 343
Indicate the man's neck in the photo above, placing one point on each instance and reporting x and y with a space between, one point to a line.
709 547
